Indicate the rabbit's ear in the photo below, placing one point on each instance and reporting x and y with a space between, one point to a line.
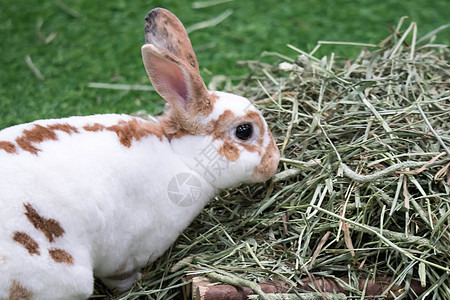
171 64
164 30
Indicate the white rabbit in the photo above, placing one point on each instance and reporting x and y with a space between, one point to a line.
103 195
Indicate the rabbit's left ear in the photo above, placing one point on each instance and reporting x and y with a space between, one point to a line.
171 64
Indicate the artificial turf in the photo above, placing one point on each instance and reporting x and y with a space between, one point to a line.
73 43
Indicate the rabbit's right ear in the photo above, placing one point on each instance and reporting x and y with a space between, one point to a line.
171 64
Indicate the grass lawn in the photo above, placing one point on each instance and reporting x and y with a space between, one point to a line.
73 43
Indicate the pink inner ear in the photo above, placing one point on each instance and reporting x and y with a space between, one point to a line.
171 80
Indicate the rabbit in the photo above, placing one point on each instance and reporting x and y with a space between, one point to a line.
104 195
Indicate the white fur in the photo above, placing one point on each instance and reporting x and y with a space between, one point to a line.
111 201
226 101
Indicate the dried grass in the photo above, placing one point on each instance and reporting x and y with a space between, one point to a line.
363 188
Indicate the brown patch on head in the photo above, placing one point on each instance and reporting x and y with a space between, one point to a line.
219 128
27 242
49 227
8 147
269 162
60 256
164 30
18 292
229 150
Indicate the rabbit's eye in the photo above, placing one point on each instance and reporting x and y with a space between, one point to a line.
244 131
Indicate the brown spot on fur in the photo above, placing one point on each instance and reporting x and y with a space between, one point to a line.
229 150
8 147
127 131
39 133
63 127
134 129
219 127
26 145
27 242
18 292
173 126
94 127
60 256
49 227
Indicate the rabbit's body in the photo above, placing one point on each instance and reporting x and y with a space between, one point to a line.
103 195
109 200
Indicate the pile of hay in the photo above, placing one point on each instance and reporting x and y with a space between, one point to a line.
363 189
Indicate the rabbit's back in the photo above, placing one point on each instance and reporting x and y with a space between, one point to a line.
58 162
61 182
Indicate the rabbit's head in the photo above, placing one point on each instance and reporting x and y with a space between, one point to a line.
221 136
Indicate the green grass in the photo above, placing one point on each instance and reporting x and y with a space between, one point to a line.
99 41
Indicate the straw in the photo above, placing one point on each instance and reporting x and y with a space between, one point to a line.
363 187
